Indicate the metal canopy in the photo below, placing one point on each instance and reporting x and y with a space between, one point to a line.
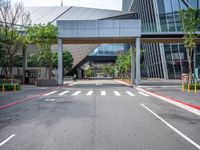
98 31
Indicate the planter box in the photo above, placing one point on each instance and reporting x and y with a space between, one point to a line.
46 82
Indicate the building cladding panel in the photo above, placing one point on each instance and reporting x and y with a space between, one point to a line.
163 60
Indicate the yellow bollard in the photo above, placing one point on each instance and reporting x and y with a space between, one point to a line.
3 89
189 88
14 88
183 87
195 88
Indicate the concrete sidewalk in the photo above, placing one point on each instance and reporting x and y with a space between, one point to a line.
176 94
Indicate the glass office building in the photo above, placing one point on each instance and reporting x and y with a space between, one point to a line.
167 61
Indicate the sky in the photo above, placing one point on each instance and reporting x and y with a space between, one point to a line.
104 4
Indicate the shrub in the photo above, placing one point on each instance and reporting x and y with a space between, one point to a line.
192 86
10 87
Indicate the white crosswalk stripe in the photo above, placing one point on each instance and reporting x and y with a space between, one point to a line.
63 93
53 92
143 94
130 94
89 93
117 93
103 93
76 93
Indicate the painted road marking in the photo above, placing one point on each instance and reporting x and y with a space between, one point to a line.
173 128
6 140
89 93
50 100
50 93
143 94
172 101
117 93
76 93
63 93
103 93
129 93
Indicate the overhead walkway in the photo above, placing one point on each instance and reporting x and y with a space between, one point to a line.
99 32
164 37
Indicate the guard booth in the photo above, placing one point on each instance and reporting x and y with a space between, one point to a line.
31 76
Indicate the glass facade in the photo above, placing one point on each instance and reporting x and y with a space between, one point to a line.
109 50
164 60
175 54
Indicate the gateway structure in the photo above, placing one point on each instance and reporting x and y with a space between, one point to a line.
97 32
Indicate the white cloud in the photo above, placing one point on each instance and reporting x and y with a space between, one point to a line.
104 4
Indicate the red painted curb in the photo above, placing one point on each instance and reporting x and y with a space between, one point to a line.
25 99
175 100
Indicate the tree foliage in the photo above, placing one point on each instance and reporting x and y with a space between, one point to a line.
190 21
13 20
67 61
123 64
43 36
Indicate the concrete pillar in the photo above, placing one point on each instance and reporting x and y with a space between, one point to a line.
24 65
60 62
138 55
132 64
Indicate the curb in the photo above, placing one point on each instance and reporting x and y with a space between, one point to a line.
26 99
189 107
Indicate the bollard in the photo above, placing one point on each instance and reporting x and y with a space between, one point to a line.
195 88
189 88
3 89
14 88
183 87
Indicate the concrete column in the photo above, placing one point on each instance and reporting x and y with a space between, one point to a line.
24 65
138 55
132 64
60 62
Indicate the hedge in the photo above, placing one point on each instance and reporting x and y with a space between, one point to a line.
10 87
192 86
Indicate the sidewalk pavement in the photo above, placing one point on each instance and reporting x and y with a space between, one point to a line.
177 94
170 89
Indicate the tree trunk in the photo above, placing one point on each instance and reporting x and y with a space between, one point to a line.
189 53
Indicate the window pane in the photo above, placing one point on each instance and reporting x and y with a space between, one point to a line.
168 5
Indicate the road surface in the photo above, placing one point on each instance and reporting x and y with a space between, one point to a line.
97 115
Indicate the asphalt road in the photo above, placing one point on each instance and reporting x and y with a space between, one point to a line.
97 115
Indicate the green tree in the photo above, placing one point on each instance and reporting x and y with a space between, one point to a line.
12 15
67 61
123 64
32 60
190 20
88 72
43 36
